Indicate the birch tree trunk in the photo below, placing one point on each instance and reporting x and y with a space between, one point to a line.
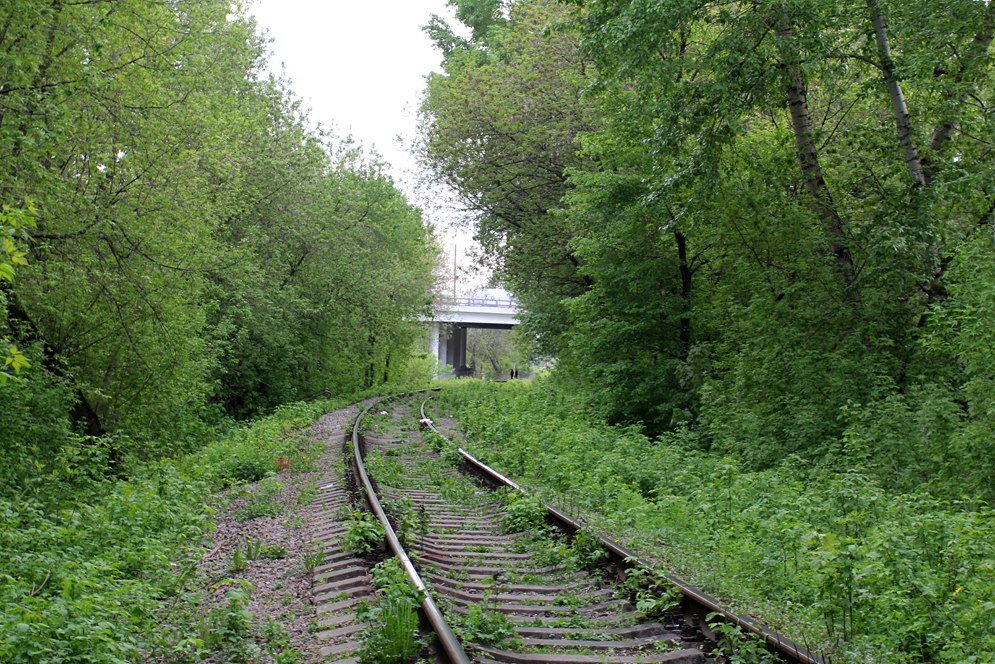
808 154
898 105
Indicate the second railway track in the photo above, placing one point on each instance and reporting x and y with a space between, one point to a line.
500 592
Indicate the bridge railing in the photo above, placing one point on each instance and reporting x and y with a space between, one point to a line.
477 302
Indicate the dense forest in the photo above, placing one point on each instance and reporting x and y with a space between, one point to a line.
770 222
182 248
758 238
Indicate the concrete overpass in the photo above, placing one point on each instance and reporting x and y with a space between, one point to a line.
491 308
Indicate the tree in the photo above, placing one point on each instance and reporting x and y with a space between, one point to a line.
500 128
200 248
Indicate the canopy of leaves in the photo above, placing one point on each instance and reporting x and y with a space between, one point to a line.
770 239
196 248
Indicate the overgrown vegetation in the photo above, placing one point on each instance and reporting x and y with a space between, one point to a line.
364 534
392 635
90 566
181 248
824 551
483 625
179 243
770 221
758 238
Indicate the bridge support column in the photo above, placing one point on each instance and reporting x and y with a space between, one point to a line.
434 339
449 351
433 342
459 357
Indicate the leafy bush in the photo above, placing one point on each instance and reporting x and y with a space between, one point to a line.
522 513
364 534
587 547
392 635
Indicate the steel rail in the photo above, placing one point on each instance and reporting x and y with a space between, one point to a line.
772 638
451 646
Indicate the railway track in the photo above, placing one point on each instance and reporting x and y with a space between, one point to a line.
500 586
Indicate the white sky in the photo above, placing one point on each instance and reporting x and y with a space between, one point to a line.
361 65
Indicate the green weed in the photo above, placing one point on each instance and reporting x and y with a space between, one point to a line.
483 625
364 534
264 501
392 635
313 559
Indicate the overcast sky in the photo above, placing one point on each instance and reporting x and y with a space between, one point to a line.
361 65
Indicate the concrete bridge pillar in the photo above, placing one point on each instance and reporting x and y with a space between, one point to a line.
451 348
433 341
459 356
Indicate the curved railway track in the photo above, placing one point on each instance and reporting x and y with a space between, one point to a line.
513 596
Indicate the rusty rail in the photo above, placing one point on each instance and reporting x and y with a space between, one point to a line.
451 647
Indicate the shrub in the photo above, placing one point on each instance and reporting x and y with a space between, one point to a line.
364 534
392 635
522 513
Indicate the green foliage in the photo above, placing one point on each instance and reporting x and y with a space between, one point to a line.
392 635
738 647
308 493
228 626
13 228
239 560
188 245
313 559
364 534
759 239
587 547
501 129
394 638
85 563
384 468
652 593
434 441
522 513
408 522
258 549
390 579
830 556
14 224
264 501
450 456
483 625
712 222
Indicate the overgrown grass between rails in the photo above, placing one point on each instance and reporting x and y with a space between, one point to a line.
86 572
391 635
826 554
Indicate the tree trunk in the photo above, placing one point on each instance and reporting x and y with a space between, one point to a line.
934 288
899 107
808 155
979 48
